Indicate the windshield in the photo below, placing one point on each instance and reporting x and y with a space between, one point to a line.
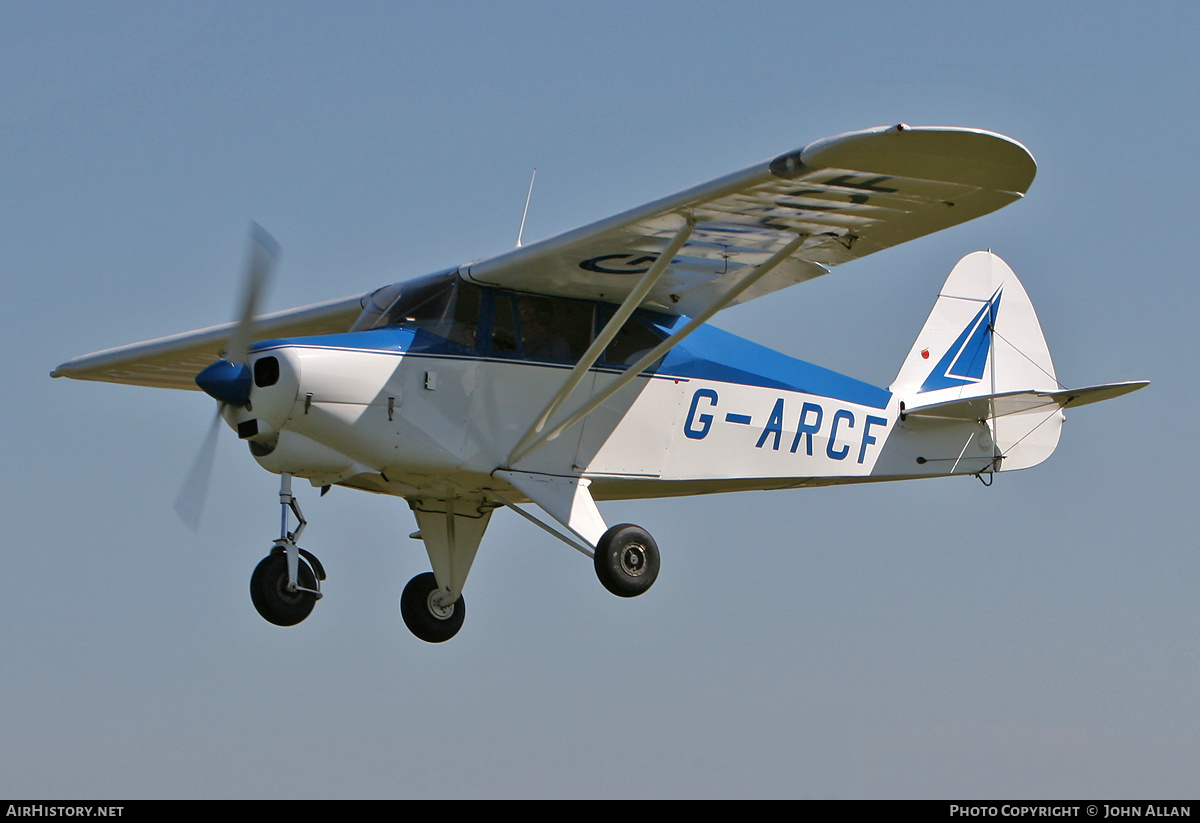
439 304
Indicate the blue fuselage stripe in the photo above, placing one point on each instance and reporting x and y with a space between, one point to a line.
708 354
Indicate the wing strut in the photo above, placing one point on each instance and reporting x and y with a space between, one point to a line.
658 351
589 358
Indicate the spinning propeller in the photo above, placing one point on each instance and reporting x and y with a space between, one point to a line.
229 379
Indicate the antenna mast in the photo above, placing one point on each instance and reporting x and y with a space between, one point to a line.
521 230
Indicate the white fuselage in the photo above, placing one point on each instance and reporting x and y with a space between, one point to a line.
401 422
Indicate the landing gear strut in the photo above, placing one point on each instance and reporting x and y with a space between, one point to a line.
286 584
425 613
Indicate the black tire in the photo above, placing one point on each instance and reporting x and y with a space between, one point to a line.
419 615
270 595
627 560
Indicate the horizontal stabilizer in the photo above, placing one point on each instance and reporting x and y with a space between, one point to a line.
986 406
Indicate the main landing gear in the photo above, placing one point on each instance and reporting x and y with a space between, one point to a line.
286 584
626 560
426 614
625 557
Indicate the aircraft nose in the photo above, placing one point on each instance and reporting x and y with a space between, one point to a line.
226 382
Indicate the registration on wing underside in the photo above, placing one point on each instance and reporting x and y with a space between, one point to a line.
847 197
743 229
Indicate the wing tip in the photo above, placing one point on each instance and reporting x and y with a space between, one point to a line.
970 156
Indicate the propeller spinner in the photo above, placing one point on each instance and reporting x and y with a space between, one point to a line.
228 380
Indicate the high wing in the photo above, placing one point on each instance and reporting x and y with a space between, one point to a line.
724 242
847 196
173 362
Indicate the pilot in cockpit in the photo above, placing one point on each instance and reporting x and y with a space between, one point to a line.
539 339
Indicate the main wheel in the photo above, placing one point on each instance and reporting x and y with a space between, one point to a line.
627 560
424 614
271 596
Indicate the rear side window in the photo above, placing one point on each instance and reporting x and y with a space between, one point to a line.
632 342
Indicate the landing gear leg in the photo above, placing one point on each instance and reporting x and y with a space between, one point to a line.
451 528
286 584
626 557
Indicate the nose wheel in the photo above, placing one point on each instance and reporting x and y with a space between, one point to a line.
425 612
273 594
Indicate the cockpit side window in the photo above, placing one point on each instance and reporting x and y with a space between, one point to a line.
555 330
464 325
504 325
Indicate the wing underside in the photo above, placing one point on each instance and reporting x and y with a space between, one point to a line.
847 196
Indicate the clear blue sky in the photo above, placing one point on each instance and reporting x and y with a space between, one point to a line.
928 639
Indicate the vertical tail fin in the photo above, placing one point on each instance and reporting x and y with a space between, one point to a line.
983 339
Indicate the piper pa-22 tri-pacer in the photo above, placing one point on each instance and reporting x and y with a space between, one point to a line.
581 368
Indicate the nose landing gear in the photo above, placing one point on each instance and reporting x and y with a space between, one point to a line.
286 584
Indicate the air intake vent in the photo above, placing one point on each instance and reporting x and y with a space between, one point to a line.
266 372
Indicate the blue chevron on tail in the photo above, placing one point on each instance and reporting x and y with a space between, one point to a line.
964 361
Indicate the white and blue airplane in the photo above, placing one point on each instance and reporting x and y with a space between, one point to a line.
581 368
